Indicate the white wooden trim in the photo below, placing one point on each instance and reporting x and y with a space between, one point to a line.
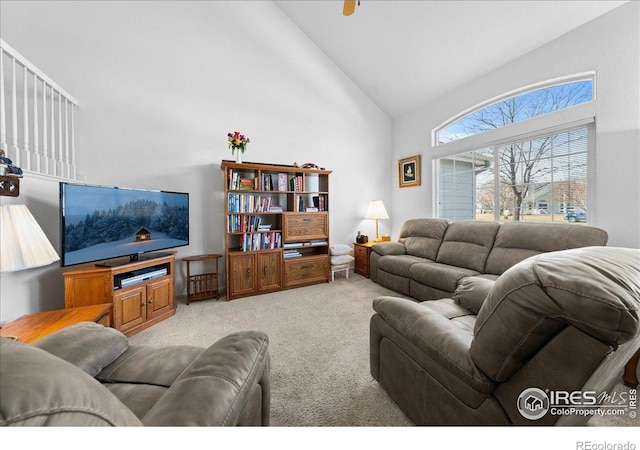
32 68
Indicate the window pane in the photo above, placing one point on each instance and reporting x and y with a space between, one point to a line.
518 108
534 184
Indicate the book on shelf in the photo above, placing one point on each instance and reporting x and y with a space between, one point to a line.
248 203
296 183
282 181
260 241
291 254
275 208
320 202
311 209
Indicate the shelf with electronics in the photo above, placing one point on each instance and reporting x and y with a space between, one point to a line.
276 227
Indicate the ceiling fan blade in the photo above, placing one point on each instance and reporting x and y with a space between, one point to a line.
349 7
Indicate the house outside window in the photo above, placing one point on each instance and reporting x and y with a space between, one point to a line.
540 178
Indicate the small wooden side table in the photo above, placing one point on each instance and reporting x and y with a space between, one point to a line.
31 327
362 252
204 285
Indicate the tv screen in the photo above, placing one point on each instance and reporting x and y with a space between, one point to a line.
100 223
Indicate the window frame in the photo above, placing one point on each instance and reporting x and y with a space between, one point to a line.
591 162
554 122
554 116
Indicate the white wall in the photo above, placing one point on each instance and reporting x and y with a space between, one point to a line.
610 46
161 83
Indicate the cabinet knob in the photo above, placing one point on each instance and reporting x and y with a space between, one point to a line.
150 301
248 272
264 270
144 304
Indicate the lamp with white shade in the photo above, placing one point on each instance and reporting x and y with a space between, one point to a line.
23 244
376 211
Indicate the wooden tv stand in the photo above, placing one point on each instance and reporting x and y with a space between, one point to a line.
135 306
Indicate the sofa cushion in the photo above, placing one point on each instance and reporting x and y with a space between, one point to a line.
596 291
467 244
422 237
40 389
472 292
517 241
439 276
399 264
158 366
87 345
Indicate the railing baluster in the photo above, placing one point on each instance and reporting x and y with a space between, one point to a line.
15 151
73 143
53 135
36 132
37 135
3 115
25 156
60 163
45 131
67 166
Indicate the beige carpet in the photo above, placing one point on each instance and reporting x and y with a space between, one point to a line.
319 346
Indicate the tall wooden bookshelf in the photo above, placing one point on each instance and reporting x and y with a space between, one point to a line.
276 227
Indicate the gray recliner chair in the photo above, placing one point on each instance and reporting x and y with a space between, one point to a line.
88 375
494 354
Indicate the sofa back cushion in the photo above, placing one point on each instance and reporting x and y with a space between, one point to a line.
596 291
517 241
467 244
40 389
422 237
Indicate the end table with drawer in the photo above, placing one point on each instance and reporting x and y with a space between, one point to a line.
361 253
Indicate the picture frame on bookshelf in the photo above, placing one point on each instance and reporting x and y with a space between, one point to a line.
409 171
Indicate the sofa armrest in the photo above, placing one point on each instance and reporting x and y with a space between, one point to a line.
214 389
436 336
87 345
472 292
389 248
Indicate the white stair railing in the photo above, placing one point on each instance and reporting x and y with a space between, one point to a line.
37 125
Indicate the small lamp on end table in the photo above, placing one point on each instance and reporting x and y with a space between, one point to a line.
376 211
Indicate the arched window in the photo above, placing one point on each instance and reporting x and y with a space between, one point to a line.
517 108
538 176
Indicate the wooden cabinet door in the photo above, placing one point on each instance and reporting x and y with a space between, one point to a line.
242 267
303 271
361 260
129 308
305 226
159 298
93 287
270 267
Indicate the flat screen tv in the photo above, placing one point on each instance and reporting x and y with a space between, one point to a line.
102 223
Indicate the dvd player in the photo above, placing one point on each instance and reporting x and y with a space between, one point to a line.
138 276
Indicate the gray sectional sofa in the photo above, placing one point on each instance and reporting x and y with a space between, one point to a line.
433 257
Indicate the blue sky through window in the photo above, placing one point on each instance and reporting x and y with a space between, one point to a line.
518 108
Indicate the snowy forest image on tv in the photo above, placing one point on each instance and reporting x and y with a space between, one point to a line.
102 222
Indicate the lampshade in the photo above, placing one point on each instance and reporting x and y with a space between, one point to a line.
23 244
376 210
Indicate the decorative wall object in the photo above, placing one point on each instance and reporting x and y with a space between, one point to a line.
409 171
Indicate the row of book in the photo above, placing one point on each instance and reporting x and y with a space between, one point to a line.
260 241
246 224
251 203
291 254
265 182
319 203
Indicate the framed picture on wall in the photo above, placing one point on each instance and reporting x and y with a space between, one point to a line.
409 171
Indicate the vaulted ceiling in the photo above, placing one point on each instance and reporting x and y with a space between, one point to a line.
403 54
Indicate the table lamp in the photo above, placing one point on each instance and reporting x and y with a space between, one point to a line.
376 211
23 244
